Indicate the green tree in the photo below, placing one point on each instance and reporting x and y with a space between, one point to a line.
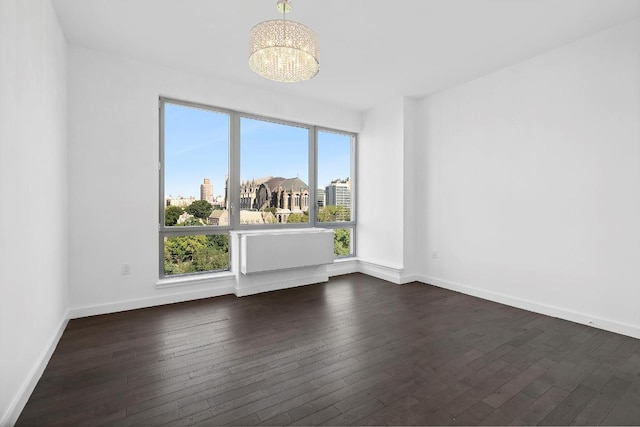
271 209
193 221
189 254
296 217
334 214
171 215
342 241
179 252
210 258
219 242
200 209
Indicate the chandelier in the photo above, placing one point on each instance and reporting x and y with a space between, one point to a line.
284 51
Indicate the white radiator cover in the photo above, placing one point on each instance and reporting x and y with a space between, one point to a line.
262 251
269 260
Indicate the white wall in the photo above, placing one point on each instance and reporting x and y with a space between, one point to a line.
414 221
33 196
533 181
113 171
390 192
380 185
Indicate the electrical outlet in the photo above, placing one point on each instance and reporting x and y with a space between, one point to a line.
126 269
434 254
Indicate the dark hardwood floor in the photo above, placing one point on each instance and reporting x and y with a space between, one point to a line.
356 350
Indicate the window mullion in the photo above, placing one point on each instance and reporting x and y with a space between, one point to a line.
354 179
234 171
313 175
161 202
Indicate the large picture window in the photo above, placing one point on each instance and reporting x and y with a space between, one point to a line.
222 170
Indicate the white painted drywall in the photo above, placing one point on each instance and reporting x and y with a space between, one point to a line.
413 188
532 181
33 195
113 171
380 185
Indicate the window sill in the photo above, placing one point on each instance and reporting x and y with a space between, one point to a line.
345 259
195 279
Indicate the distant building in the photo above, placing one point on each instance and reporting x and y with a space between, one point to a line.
179 201
320 197
184 218
219 203
254 217
249 192
286 195
206 191
338 193
221 217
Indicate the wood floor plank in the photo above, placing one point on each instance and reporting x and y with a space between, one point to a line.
512 387
597 409
510 409
626 410
541 407
353 351
352 415
570 407
473 415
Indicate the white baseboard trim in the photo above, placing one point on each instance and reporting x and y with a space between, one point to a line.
275 286
408 278
342 267
21 398
390 274
226 288
536 307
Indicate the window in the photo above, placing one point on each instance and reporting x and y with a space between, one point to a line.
335 183
222 170
194 208
274 172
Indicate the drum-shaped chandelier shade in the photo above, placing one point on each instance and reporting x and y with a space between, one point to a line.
283 50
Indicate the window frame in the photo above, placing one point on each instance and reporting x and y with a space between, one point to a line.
235 198
351 224
234 165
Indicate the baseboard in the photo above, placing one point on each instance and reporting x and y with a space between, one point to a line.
280 284
353 265
390 274
21 398
343 266
536 307
93 310
409 278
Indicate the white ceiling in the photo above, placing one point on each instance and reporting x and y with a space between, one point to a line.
371 50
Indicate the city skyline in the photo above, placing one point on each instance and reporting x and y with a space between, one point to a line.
214 196
196 146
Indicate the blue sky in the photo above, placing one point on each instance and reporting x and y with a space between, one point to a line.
196 147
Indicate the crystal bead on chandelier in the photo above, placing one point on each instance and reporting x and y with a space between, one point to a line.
284 51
